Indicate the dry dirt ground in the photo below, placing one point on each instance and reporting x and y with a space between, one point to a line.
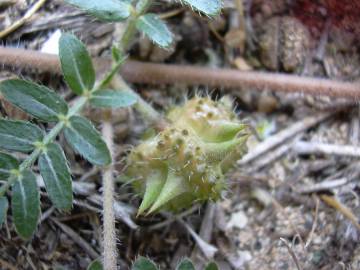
292 202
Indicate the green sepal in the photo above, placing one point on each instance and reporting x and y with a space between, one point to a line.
174 186
218 130
216 152
154 184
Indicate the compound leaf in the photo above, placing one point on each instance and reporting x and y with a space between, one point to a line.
37 100
106 10
76 63
25 204
56 174
155 29
7 163
112 99
87 141
19 135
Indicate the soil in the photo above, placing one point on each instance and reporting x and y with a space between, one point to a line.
274 215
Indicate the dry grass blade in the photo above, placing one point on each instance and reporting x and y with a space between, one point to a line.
23 20
292 253
280 137
77 239
313 227
318 148
334 203
208 249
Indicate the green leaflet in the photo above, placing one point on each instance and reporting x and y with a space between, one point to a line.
210 8
56 174
4 205
155 29
37 100
95 265
112 99
76 63
19 135
185 264
143 263
106 10
87 141
25 204
7 163
212 266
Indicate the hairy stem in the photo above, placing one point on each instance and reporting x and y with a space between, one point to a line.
110 254
139 72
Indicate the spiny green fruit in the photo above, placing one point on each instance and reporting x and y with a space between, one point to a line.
186 162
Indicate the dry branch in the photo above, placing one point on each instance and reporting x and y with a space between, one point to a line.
139 72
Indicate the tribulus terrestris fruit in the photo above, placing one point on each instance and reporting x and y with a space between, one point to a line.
186 162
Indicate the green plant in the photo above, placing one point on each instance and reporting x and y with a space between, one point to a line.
186 161
44 105
47 106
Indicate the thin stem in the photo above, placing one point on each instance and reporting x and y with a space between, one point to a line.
141 7
148 112
110 254
128 35
107 79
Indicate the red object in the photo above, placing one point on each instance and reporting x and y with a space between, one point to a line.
342 14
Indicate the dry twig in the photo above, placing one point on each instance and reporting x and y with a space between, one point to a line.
302 147
346 212
313 227
292 253
207 249
206 228
23 20
77 239
139 72
278 138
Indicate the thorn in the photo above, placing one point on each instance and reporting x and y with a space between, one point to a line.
154 183
216 152
173 187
